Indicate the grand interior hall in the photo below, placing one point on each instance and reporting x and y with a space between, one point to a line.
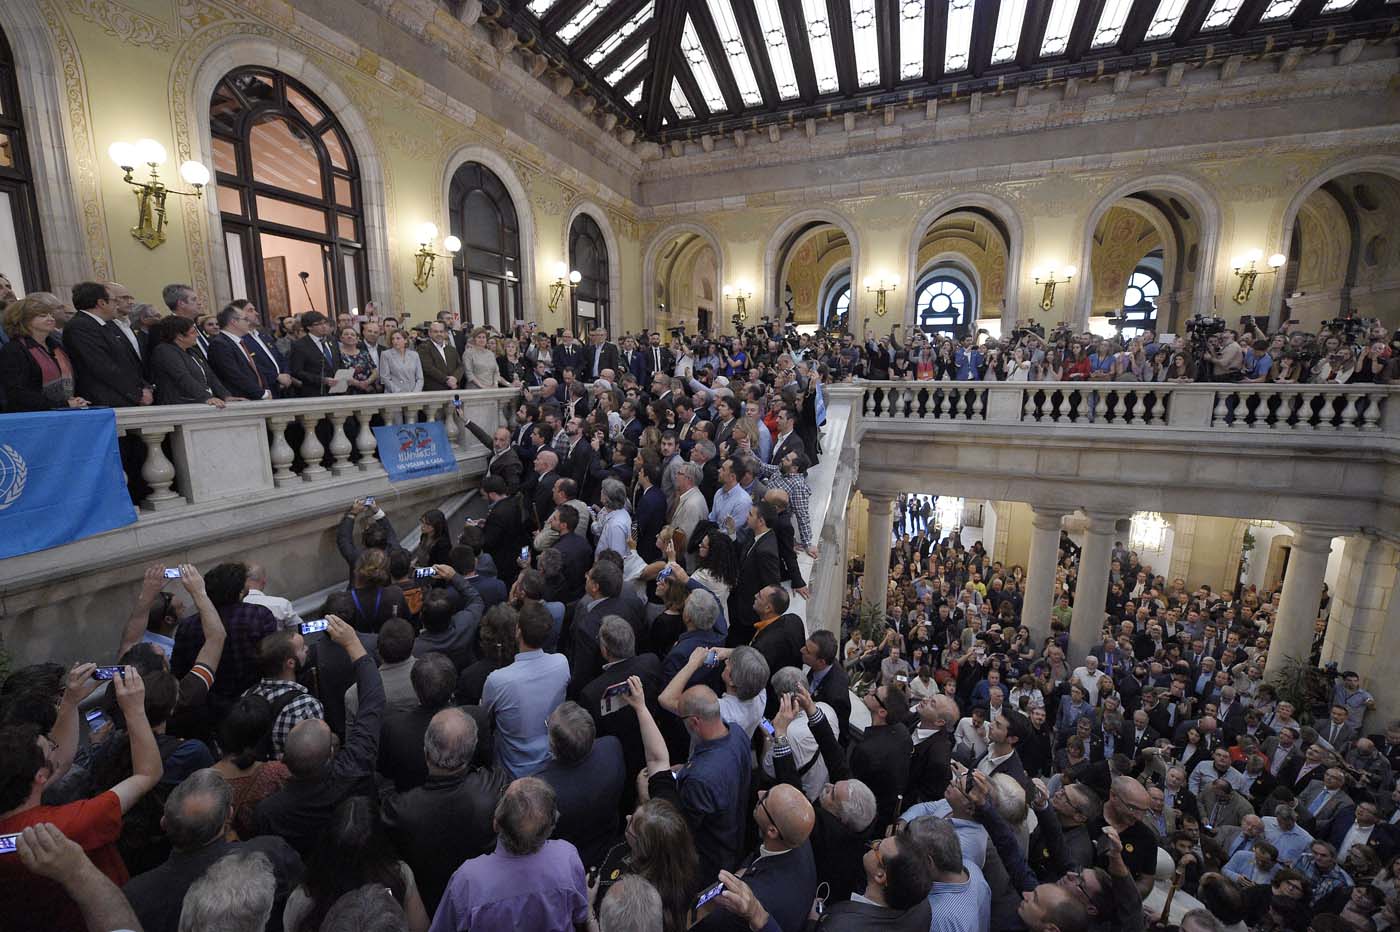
733 464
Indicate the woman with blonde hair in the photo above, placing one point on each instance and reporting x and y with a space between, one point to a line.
482 370
36 373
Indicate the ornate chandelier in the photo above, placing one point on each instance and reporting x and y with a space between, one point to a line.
1148 532
950 512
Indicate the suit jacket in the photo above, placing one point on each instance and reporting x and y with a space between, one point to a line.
1321 824
648 368
1292 777
760 567
787 549
104 371
503 534
578 557
271 363
622 724
880 760
930 769
568 357
158 895
231 364
308 366
542 496
835 691
506 464
1128 742
781 642
436 371
651 518
183 377
851 916
585 657
791 443
784 883
588 795
1383 840
1345 735
608 359
1012 766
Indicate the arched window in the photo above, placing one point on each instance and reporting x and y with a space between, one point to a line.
289 197
21 245
943 304
487 269
1140 303
836 309
588 255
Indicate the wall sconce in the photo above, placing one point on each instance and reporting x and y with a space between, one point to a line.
741 294
150 195
879 287
427 234
1048 279
563 278
1245 267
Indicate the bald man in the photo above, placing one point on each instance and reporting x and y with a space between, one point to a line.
281 608
323 778
929 769
540 486
782 873
1128 802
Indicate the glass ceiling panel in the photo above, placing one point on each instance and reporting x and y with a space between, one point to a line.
867 46
1111 21
694 54
739 65
582 20
958 44
1280 9
1058 27
770 20
679 102
1166 18
635 96
610 44
632 61
1338 6
541 7
819 39
911 38
1222 12
1008 38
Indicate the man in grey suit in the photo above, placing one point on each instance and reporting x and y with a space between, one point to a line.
1337 731
1323 801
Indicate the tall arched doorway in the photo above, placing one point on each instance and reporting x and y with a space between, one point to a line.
487 269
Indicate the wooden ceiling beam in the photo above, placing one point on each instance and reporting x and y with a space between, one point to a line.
714 51
843 44
795 27
757 50
665 48
607 23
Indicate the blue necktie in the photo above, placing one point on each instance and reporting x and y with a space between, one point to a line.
326 351
1319 801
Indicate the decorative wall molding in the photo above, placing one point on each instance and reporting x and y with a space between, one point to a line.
123 23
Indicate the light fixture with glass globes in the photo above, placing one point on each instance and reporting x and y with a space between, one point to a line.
151 194
879 286
426 256
564 277
1048 279
740 294
1148 532
1246 267
949 513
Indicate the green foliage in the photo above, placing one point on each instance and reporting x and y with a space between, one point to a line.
1300 683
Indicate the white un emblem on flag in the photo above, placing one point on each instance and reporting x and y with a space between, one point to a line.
13 473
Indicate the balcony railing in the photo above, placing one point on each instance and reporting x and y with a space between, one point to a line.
1195 406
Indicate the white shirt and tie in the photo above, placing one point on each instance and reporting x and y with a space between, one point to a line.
1357 835
124 326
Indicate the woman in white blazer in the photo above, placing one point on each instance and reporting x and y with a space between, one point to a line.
399 367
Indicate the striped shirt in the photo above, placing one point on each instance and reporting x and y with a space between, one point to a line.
799 497
962 907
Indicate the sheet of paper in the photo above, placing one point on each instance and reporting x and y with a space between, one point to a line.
342 381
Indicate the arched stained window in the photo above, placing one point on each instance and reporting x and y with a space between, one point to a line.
588 255
943 305
487 269
1140 303
21 243
289 197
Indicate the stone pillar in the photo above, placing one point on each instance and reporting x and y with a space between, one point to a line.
1040 593
1091 591
1363 608
879 528
1302 594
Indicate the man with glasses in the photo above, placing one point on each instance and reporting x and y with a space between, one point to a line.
898 879
881 759
1128 803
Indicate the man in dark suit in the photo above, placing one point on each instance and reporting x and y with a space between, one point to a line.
579 456
618 646
1325 802
1370 831
185 302
1137 735
1007 730
106 373
442 364
655 358
759 568
540 488
503 528
577 555
504 462
787 440
271 363
599 355
881 758
930 769
567 354
231 359
1337 731
603 587
787 541
827 680
781 635
315 357
650 511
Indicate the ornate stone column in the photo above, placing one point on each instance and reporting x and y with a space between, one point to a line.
879 527
1302 594
1091 590
1040 593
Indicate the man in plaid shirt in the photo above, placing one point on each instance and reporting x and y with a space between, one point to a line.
280 655
246 625
790 475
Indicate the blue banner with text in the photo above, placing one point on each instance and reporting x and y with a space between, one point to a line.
61 479
411 451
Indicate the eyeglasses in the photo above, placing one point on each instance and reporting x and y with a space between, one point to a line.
875 847
1075 881
1062 793
763 804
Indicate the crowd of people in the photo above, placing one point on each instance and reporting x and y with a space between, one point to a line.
61 354
597 705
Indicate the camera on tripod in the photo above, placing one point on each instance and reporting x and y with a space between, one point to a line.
1205 325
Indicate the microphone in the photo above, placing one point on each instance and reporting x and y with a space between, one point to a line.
309 300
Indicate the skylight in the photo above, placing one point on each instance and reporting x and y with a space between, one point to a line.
610 44
1111 21
634 97
1221 13
1280 9
694 54
1165 20
911 38
1058 27
1008 37
866 43
1338 6
958 44
770 20
541 7
679 102
632 61
739 65
582 19
819 39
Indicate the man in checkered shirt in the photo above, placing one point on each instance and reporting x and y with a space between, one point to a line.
790 475
280 655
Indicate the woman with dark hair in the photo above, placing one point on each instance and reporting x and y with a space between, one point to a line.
435 543
243 737
657 846
354 851
498 646
182 377
376 598
718 560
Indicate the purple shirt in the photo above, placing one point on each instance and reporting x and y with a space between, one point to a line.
501 892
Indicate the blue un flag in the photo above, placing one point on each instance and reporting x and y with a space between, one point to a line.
61 479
